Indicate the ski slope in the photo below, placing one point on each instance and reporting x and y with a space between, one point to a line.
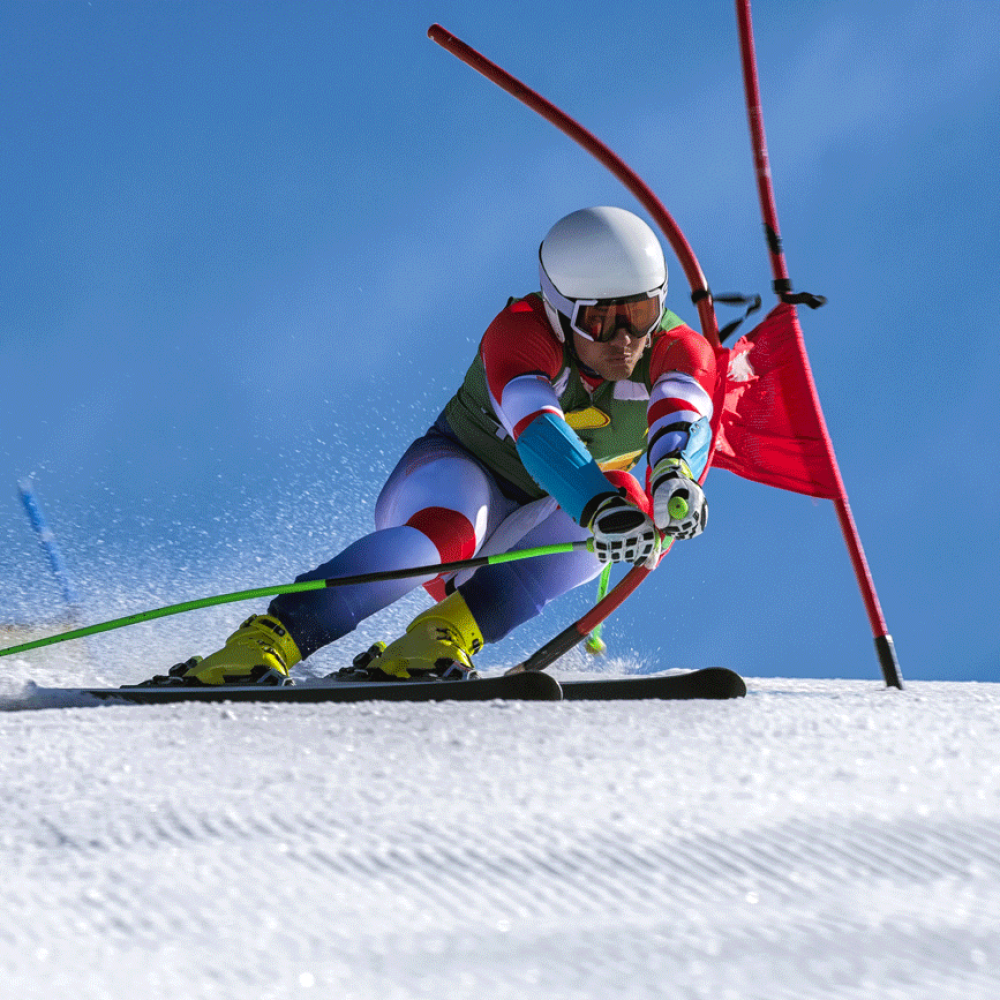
818 839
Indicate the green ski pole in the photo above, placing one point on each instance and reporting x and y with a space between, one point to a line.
295 588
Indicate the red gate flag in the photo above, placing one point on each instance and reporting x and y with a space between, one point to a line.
771 428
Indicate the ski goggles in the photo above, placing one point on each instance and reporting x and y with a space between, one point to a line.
599 320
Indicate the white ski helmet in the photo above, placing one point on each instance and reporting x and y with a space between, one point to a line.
599 256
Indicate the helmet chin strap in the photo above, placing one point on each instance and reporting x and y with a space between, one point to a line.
571 347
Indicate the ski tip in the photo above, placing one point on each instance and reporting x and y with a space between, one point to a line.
709 682
727 683
534 685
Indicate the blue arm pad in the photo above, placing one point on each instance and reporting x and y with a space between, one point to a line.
558 461
695 453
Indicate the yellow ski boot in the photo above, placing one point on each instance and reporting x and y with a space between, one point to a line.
260 651
439 641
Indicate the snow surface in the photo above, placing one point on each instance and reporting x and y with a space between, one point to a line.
818 839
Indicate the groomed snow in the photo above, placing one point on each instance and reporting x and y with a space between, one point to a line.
818 839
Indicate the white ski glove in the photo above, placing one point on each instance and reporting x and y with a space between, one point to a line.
679 505
622 532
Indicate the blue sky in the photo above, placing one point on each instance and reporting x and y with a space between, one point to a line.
249 250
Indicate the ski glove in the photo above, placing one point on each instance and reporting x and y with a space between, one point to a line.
622 532
679 505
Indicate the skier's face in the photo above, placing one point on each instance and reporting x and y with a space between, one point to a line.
615 359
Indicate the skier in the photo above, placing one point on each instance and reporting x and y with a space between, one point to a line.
570 387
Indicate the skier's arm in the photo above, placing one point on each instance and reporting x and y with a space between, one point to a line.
682 370
680 436
559 462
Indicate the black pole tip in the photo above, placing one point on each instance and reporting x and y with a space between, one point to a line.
887 660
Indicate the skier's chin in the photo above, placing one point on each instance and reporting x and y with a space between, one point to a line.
616 369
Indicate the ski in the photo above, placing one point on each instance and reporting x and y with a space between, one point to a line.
710 682
516 687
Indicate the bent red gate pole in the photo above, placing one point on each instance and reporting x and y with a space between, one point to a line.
783 288
701 295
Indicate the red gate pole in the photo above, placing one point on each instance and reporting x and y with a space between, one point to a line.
783 289
701 295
